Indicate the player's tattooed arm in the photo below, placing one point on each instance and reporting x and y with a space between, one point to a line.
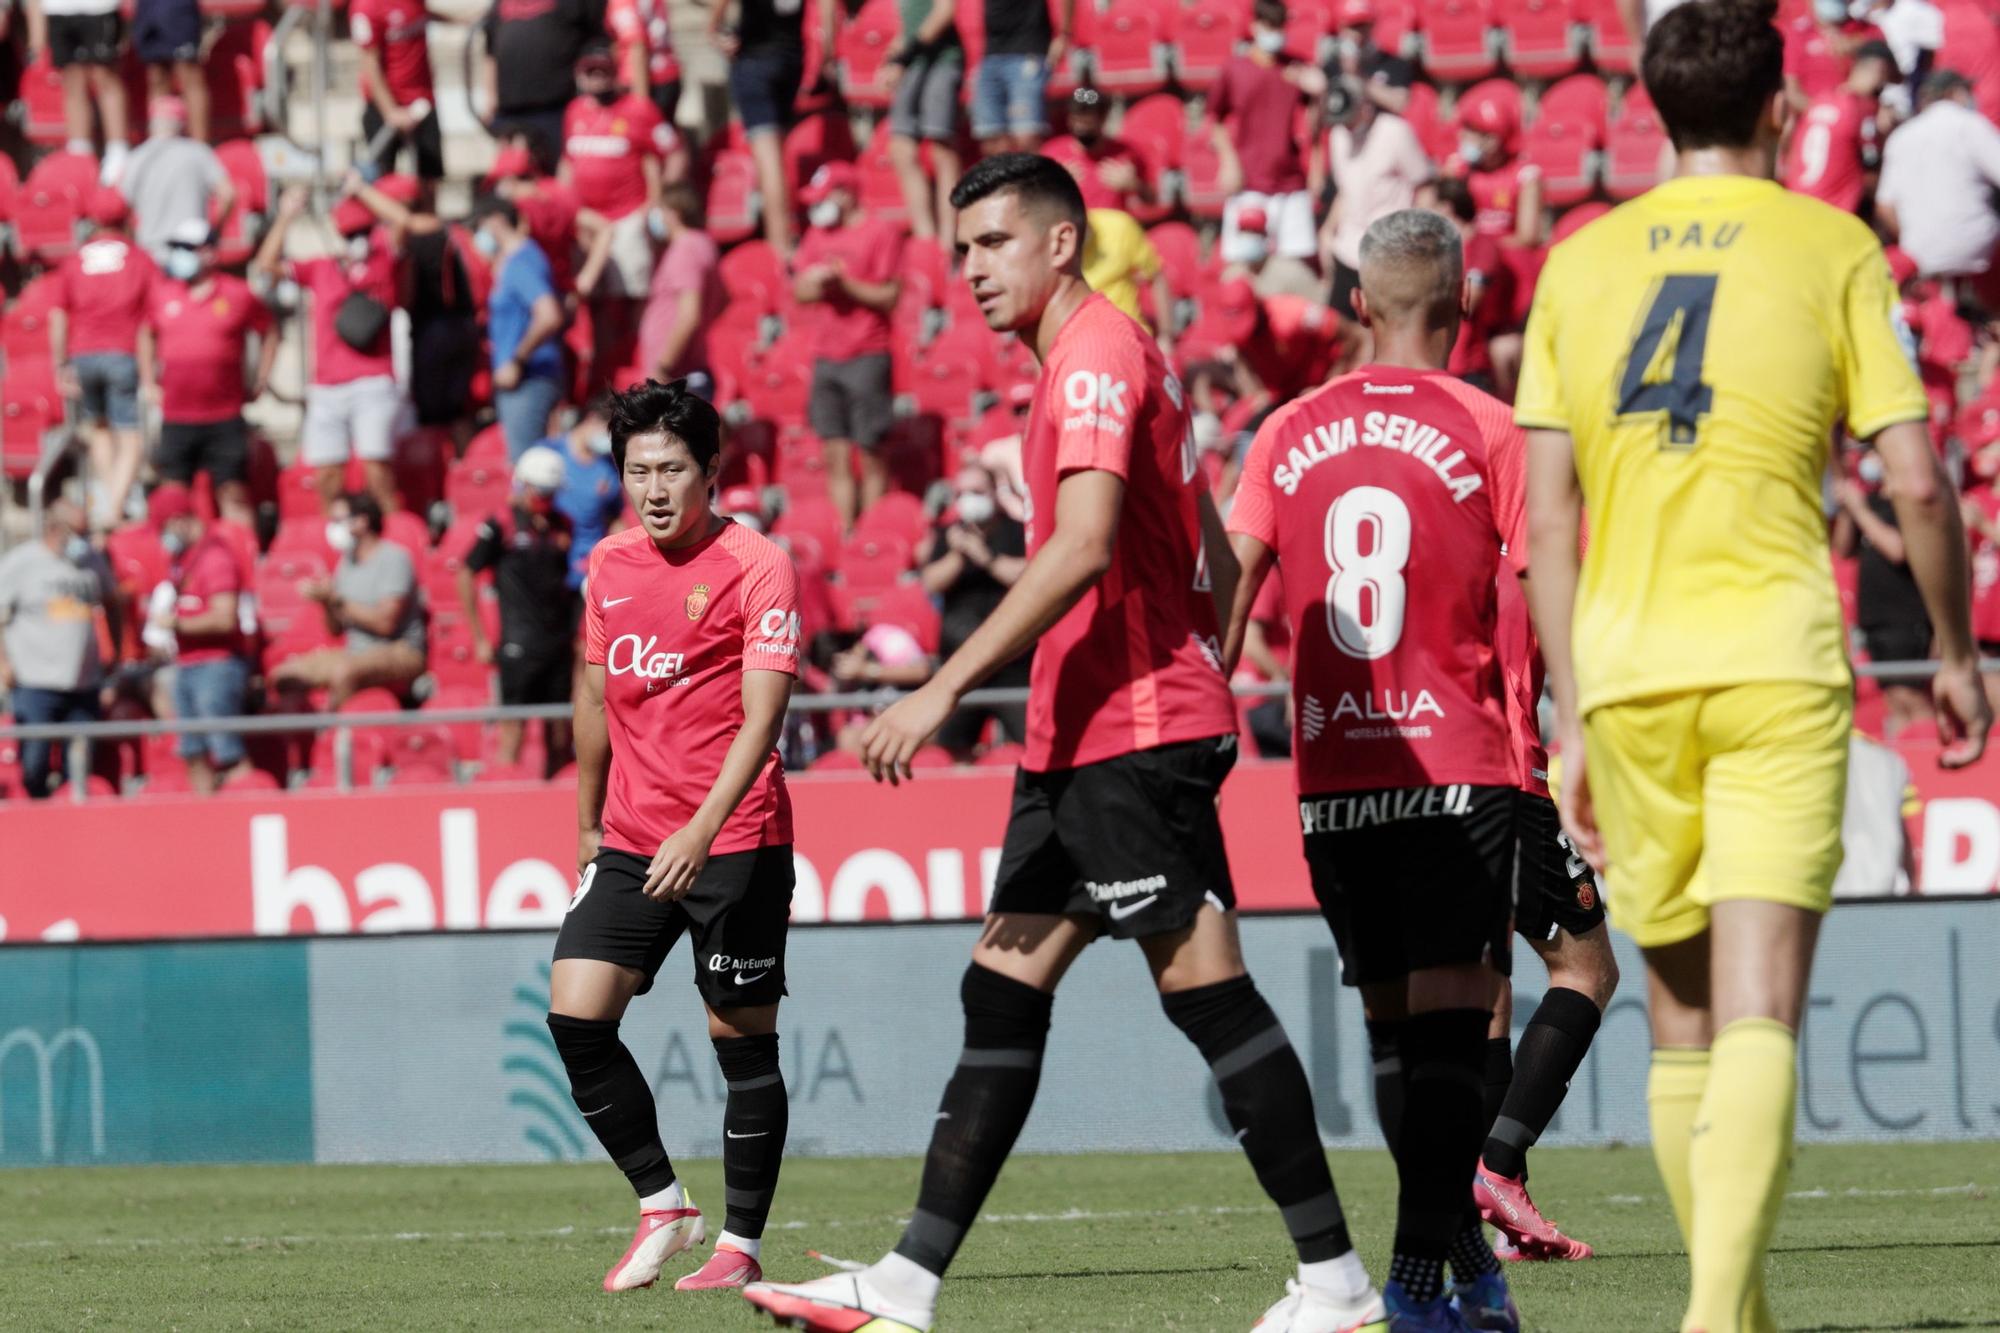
1253 560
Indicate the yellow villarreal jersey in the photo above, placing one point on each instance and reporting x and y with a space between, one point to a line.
1699 344
1117 257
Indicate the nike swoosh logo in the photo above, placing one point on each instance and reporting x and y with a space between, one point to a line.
742 980
730 1133
1119 911
610 602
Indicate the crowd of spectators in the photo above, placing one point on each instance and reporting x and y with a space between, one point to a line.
419 537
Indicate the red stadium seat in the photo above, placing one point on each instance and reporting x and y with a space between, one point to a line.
302 536
420 750
837 761
475 489
465 740
1131 55
909 606
452 662
753 275
933 756
488 446
735 210
298 492
1306 29
871 562
1575 219
1500 91
1439 136
409 532
1567 158
1634 147
1202 40
1610 44
777 381
1540 37
864 46
1156 128
1179 246
49 204
897 514
1201 174
816 139
30 408
1006 754
1581 100
815 519
234 69
939 380
137 559
40 99
881 189
1458 45
1396 23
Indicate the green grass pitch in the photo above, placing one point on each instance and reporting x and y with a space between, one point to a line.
1891 1238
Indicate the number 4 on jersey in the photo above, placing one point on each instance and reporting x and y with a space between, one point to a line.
1663 368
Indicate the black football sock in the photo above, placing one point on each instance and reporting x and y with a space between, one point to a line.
753 1130
1444 1054
614 1098
984 1107
1269 1104
1499 1077
1552 1046
1385 1051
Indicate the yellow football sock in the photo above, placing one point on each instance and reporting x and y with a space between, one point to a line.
1739 1159
1673 1094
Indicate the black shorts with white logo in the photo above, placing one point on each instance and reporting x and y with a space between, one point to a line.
736 915
1413 877
1558 890
86 39
1133 840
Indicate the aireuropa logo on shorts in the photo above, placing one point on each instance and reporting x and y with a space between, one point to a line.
722 962
1124 888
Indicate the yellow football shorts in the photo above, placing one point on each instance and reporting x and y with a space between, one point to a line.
1716 794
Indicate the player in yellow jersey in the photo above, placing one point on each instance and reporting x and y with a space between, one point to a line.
1688 359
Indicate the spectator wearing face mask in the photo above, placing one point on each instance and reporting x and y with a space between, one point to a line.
371 601
524 174
523 317
1253 106
685 298
618 153
98 294
1820 44
1506 189
1107 169
211 672
194 347
591 497
972 557
528 547
351 399
846 269
51 591
1895 625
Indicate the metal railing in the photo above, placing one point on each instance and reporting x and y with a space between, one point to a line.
79 737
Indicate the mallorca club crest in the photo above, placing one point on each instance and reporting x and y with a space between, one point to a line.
697 601
1586 897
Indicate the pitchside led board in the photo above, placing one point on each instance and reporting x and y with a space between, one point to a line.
432 1048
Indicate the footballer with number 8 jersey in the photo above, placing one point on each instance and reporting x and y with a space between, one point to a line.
1114 827
1393 499
691 627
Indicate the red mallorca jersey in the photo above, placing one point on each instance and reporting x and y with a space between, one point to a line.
1496 193
1829 147
199 346
606 146
103 286
396 31
200 576
1134 664
674 632
1818 61
1391 524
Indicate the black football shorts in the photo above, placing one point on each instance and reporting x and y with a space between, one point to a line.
1133 840
736 916
1558 890
1413 877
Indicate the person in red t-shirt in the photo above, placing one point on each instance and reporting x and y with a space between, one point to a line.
846 274
212 673
1253 107
691 632
98 293
352 401
1819 44
1393 500
549 208
397 91
1280 345
1836 143
193 344
1488 351
646 58
1506 191
1131 731
1107 169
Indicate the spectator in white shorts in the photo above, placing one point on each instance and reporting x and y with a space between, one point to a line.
1254 104
352 400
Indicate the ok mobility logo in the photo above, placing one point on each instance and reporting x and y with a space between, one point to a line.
816 1064
25 1051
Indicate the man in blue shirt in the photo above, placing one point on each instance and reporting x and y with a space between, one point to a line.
590 498
524 315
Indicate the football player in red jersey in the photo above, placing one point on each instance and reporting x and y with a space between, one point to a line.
691 636
1130 733
1393 498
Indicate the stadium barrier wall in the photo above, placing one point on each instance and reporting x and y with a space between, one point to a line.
432 1048
503 856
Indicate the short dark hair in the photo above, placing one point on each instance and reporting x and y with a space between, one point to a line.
1455 195
684 202
1037 180
1940 84
1271 13
1712 68
672 408
493 206
362 505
